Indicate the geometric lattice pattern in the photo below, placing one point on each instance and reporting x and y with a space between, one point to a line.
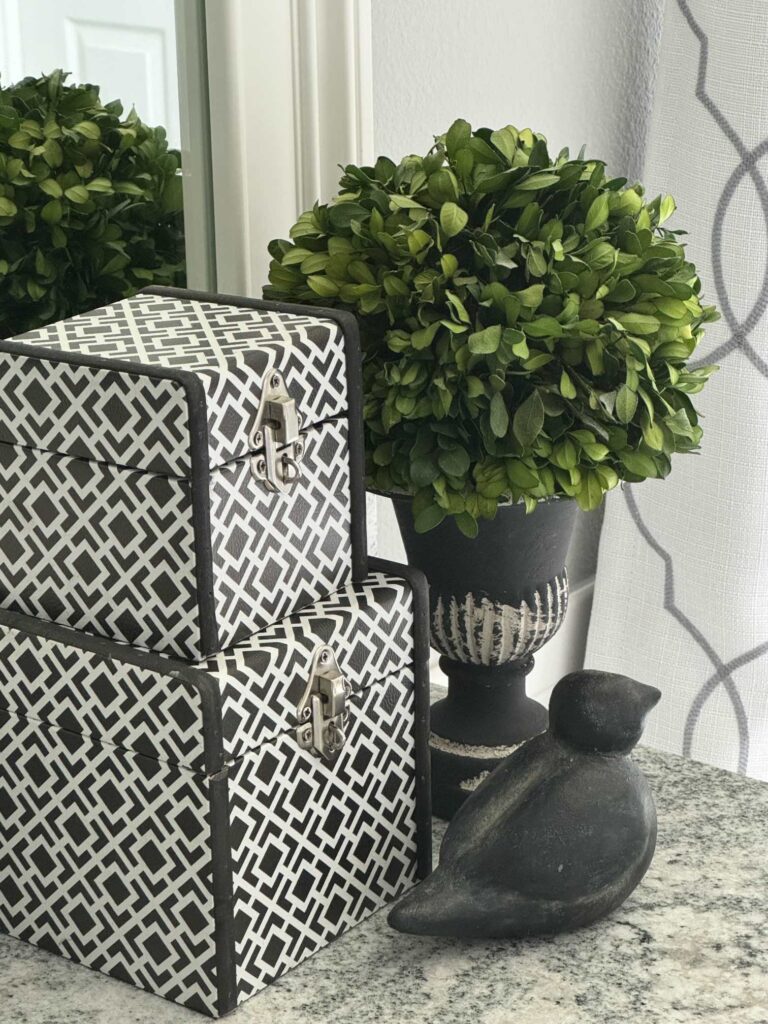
90 541
229 349
106 859
154 706
316 850
117 859
100 548
273 552
261 681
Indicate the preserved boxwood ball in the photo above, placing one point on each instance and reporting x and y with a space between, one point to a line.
527 322
90 203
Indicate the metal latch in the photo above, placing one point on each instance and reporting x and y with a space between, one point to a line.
277 432
322 712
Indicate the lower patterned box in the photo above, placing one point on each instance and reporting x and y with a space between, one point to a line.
199 830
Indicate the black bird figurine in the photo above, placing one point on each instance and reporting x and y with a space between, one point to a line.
558 835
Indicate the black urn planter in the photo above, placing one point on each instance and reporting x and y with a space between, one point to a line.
494 601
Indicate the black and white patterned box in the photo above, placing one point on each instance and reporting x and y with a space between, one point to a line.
161 822
179 470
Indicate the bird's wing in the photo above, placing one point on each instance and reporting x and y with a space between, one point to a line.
517 779
576 827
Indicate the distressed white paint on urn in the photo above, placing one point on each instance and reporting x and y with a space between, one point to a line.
477 631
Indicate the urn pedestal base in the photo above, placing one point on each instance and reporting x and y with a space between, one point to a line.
495 600
484 717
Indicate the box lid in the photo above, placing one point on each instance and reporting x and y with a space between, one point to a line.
207 715
141 382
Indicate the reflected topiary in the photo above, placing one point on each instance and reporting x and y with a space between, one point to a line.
527 322
90 203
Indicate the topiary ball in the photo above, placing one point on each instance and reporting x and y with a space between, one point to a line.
527 322
90 203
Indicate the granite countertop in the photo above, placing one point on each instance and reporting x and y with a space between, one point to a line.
690 944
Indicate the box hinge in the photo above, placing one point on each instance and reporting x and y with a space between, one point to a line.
323 712
277 432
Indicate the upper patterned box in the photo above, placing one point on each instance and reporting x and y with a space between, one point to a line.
179 469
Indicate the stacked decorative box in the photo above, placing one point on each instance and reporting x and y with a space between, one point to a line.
213 714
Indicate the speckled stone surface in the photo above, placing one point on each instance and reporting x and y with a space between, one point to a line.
691 944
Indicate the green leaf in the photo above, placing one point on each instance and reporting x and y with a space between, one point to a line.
172 198
19 140
449 264
424 337
597 214
52 212
544 179
637 323
7 207
128 188
674 308
537 360
666 208
467 524
342 215
53 153
567 390
531 297
51 188
638 464
626 404
485 341
596 451
457 136
77 194
652 433
457 306
429 518
499 415
543 327
424 470
452 219
323 286
454 462
519 475
528 420
590 494
505 140
88 129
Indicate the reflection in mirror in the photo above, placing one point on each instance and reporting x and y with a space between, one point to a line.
90 180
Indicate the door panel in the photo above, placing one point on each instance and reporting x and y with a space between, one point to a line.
129 50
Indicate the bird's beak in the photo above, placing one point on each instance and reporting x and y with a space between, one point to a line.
648 696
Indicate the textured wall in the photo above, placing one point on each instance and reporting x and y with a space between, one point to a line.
580 72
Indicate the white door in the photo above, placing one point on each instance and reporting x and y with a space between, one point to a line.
128 49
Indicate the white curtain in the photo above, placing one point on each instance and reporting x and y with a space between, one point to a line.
681 595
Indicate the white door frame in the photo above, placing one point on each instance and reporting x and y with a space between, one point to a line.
291 97
195 128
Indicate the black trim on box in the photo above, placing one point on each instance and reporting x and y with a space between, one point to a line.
200 483
223 894
421 649
352 350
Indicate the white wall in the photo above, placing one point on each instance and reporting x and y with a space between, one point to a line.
580 71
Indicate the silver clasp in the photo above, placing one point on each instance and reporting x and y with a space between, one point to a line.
322 713
277 431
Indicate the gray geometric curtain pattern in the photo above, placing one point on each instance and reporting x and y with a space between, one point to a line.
681 594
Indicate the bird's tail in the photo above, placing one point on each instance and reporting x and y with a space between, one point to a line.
435 907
